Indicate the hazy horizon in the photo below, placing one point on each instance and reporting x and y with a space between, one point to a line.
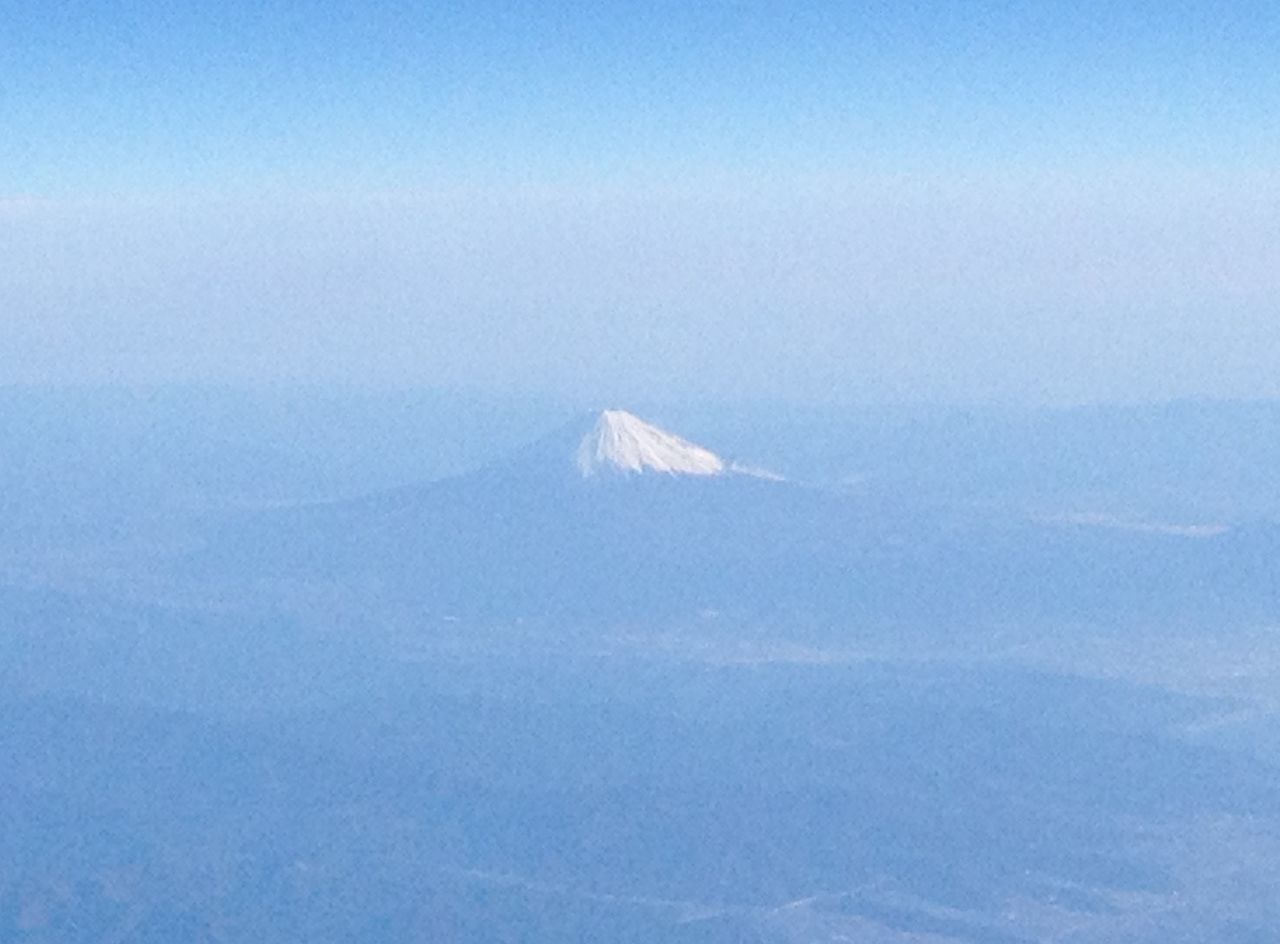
868 202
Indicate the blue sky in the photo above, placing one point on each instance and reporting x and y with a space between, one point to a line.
141 98
819 201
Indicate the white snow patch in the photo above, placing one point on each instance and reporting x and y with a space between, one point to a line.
1103 520
756 472
621 442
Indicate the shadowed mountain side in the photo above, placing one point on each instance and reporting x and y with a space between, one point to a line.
652 547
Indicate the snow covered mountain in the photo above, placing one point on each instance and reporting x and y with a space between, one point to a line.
616 448
613 519
609 515
622 442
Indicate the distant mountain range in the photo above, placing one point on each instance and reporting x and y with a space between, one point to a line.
614 519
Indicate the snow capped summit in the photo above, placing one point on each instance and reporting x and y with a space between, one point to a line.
622 443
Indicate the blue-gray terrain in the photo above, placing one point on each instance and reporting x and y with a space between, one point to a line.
404 668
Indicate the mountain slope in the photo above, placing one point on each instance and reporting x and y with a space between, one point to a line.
607 518
614 520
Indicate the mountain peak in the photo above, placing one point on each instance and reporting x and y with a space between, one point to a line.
620 442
